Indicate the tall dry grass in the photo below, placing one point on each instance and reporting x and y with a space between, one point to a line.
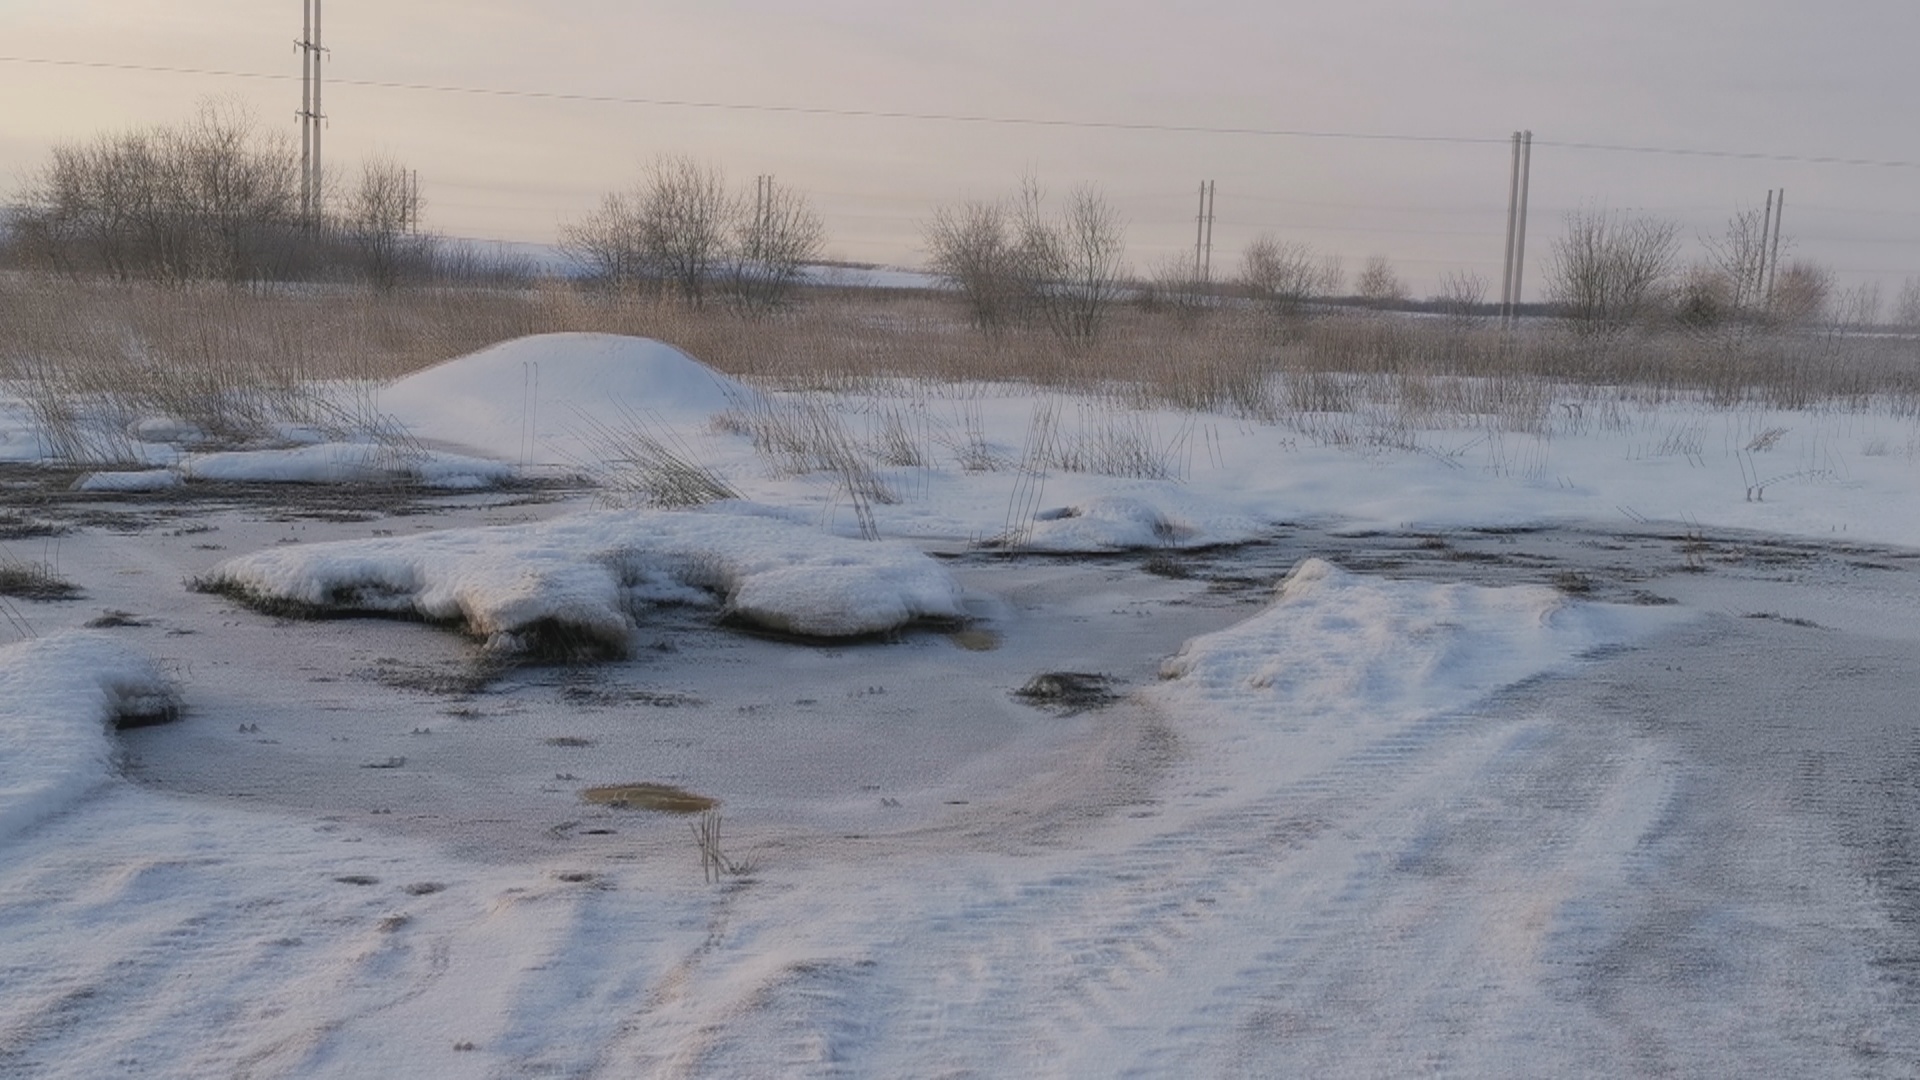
233 362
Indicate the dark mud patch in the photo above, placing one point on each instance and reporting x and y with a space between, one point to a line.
608 697
1068 691
664 798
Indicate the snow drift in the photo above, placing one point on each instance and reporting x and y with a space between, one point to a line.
584 577
58 697
1338 658
532 396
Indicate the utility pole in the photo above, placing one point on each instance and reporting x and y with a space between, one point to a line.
311 114
1203 235
1513 215
1518 186
1773 260
1520 237
305 45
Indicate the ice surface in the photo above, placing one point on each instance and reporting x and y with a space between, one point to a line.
588 572
58 697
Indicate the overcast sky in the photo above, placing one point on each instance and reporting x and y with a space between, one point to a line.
1792 79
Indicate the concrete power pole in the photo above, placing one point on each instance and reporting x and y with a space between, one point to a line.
1203 235
1513 215
1520 235
1773 259
311 114
1518 185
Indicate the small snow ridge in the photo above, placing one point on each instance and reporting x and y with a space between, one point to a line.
581 579
1127 523
58 697
342 463
1361 650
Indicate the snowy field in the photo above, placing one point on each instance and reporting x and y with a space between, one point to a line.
1044 736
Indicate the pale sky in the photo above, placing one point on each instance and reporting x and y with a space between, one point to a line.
1785 78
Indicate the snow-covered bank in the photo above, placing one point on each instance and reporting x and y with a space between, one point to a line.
59 698
587 575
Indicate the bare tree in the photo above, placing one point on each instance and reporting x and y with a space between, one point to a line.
1906 310
971 247
1740 256
1013 263
1462 293
1378 284
1088 252
382 215
1609 269
1857 308
609 243
773 241
214 198
1285 275
686 223
1170 285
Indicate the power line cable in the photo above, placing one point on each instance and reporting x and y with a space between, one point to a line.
981 118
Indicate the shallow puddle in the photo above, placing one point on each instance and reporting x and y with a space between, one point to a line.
974 639
662 797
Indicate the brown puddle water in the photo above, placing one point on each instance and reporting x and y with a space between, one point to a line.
974 639
662 797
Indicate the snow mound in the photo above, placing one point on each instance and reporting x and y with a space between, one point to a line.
1125 523
583 578
58 696
1338 646
523 396
345 463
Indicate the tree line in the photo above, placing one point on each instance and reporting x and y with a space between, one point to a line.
219 199
214 199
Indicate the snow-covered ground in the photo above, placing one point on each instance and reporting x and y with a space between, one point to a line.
1586 751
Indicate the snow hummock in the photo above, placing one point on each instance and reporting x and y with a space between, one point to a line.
529 399
341 462
58 696
1341 656
585 574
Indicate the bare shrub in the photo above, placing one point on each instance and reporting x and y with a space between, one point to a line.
1738 259
214 198
1172 285
1462 295
1014 264
680 230
1285 276
1802 292
686 223
1610 269
1378 284
1906 308
776 236
381 220
608 243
